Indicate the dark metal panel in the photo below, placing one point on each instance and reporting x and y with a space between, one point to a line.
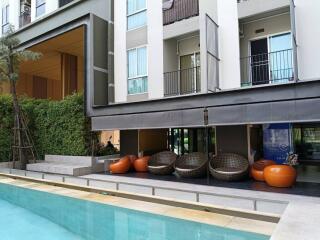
260 94
226 115
308 110
100 81
273 112
254 113
129 140
232 139
280 111
188 118
100 46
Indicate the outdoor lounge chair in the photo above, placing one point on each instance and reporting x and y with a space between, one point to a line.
192 165
229 167
162 163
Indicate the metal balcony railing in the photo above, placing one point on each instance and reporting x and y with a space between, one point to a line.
180 9
185 81
267 68
24 19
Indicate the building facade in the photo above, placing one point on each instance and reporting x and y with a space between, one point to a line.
165 72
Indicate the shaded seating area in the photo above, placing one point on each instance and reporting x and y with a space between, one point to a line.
162 163
229 167
192 165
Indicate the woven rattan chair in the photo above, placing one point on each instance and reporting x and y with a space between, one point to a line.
229 167
192 165
162 163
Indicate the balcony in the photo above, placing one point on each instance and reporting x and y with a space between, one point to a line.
181 82
24 19
177 10
267 68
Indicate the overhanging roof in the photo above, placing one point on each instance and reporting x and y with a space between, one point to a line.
293 102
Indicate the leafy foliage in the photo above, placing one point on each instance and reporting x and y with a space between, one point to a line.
57 127
11 56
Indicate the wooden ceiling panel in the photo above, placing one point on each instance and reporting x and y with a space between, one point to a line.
49 65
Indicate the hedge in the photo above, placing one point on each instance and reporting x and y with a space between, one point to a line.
57 127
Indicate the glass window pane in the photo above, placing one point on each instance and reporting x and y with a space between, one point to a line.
41 10
5 15
132 63
142 61
141 4
138 85
137 20
131 6
39 2
280 42
281 58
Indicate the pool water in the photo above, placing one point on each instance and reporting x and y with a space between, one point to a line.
29 214
19 223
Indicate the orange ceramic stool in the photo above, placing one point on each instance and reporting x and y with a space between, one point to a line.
280 175
122 166
258 167
141 164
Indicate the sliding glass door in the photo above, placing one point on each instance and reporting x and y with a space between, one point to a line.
190 73
271 59
281 68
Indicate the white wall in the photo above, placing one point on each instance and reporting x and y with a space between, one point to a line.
14 12
120 54
252 7
51 5
272 25
308 38
155 49
229 66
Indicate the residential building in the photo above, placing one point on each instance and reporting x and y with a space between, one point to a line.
60 71
169 73
244 70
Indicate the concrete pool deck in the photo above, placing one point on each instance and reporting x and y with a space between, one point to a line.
300 215
227 221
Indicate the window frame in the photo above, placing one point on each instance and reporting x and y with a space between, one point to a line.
40 5
137 76
4 25
135 13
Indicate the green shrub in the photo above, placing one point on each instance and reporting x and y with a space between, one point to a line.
57 127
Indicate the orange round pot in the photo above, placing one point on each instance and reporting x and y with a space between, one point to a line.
132 158
122 166
258 167
141 164
280 176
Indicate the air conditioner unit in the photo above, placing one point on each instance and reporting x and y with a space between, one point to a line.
26 9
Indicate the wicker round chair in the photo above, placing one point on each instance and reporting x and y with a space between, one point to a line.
229 167
192 165
162 163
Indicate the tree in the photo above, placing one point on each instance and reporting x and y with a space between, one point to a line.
11 58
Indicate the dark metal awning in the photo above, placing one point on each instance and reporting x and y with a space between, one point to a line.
295 102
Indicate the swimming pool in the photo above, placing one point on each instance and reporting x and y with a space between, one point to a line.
30 214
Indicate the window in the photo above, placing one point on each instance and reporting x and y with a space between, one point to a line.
5 19
307 142
40 7
136 14
137 70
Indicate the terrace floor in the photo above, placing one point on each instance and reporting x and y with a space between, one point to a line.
300 188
